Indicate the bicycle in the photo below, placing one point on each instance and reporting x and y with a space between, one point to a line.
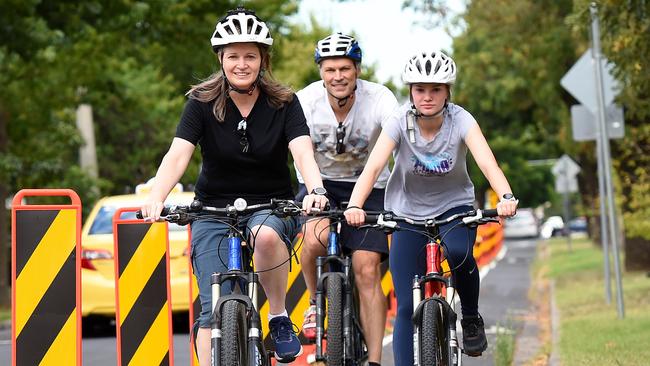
435 342
337 296
236 333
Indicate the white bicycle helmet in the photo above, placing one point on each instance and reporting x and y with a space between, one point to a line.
429 67
240 25
338 45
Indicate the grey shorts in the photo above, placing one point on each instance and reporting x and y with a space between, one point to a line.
210 251
352 238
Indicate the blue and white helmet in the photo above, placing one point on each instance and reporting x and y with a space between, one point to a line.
338 45
239 26
429 67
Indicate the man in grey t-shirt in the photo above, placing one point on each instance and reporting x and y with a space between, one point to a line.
345 115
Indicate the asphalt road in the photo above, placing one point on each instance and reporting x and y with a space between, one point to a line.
503 304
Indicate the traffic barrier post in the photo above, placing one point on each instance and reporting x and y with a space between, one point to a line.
45 280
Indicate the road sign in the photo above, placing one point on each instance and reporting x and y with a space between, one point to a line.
584 126
565 171
565 165
579 81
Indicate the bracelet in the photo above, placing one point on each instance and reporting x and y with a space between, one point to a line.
349 207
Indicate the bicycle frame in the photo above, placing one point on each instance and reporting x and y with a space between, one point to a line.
436 286
247 281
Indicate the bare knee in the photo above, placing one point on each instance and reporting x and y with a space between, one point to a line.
367 271
265 240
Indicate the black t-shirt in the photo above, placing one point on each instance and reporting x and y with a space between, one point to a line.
228 173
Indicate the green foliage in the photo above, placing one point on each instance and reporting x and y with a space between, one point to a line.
505 79
132 61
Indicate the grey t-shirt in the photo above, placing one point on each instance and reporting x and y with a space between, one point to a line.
373 105
429 177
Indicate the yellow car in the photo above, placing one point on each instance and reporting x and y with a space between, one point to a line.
97 271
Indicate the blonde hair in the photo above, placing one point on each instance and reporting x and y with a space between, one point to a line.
215 88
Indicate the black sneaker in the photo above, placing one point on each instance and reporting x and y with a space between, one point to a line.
474 340
287 344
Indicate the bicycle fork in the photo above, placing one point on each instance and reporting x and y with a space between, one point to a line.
338 267
254 346
435 284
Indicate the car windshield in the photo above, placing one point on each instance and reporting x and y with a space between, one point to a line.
103 223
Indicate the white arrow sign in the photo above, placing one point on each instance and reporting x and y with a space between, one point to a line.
565 171
565 166
579 81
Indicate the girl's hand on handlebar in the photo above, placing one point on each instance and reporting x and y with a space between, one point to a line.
314 201
507 208
355 216
151 210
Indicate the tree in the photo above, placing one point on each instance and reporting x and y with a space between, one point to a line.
625 36
509 79
131 60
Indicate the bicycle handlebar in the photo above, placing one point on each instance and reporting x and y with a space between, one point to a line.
390 221
238 208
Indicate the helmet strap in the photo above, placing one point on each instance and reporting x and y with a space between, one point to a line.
341 101
250 89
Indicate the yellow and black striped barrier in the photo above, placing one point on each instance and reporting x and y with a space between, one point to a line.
142 293
45 280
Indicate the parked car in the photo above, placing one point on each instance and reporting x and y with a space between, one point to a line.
523 225
97 265
553 226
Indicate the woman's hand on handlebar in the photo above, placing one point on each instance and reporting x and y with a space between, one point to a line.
310 201
355 216
151 210
507 208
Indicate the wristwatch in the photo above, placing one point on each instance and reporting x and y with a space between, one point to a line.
319 191
508 197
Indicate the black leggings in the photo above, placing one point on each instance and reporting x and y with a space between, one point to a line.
408 258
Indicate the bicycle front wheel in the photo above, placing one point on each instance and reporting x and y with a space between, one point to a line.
334 350
234 334
432 335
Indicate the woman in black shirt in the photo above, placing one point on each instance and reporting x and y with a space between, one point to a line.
245 123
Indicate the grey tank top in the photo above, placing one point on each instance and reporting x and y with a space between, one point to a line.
429 177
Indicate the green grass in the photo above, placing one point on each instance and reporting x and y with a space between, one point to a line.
590 331
505 346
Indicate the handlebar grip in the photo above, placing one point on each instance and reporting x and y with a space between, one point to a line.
491 212
371 219
164 212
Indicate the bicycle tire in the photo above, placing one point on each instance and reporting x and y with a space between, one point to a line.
334 294
432 335
234 334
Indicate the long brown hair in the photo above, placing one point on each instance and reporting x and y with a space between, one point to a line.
215 87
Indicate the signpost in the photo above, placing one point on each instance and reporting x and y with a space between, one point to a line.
595 87
565 171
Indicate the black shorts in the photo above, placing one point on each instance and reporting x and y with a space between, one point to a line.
352 238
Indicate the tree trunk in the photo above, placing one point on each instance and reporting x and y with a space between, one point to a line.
637 254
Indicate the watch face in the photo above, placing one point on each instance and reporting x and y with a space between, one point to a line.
508 196
319 190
